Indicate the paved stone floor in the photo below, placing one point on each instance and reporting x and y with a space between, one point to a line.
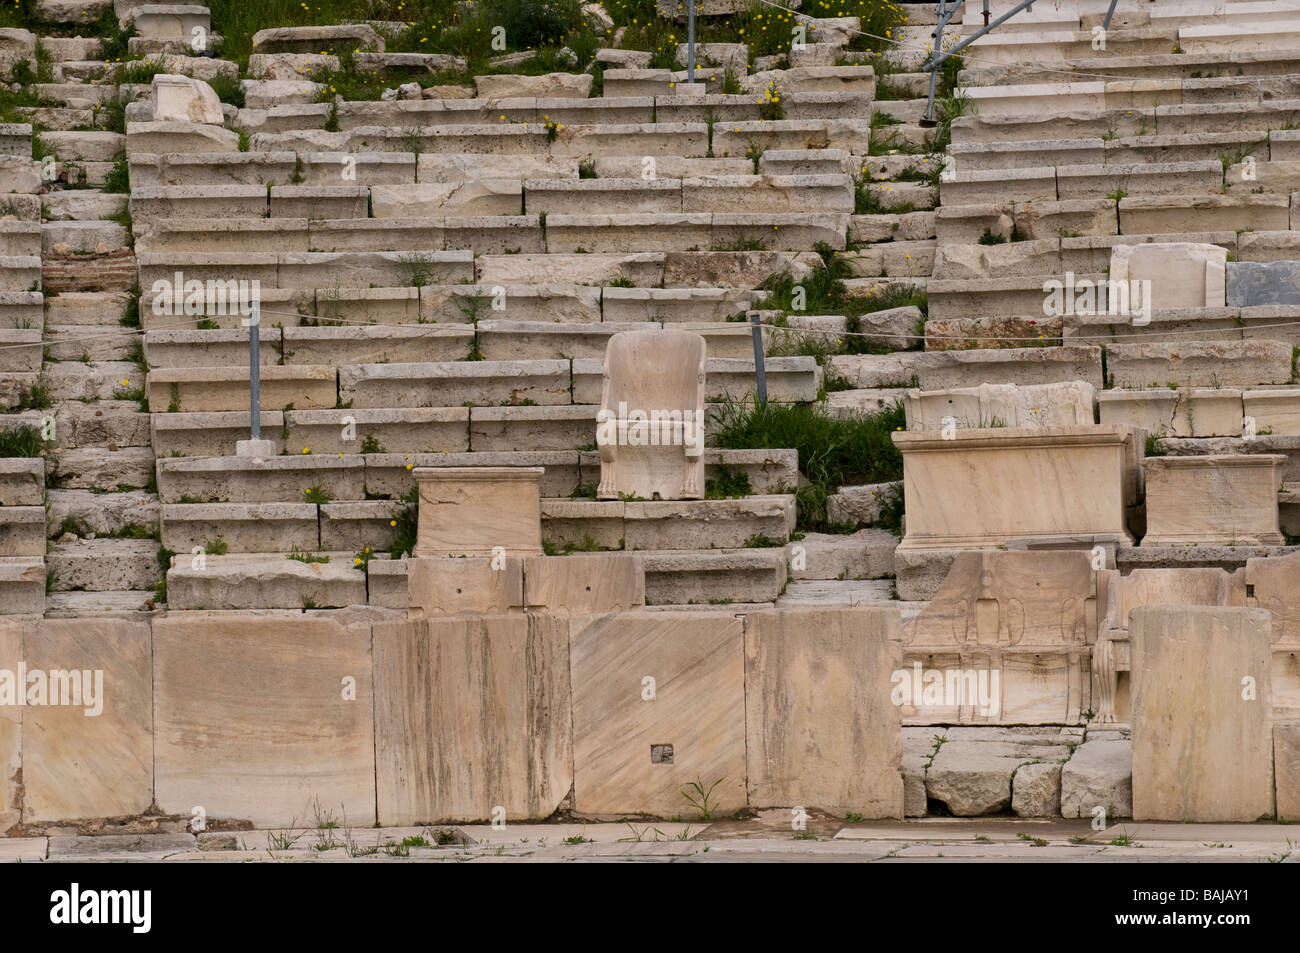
767 838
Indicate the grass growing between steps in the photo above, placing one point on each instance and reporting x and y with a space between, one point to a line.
833 452
24 441
823 292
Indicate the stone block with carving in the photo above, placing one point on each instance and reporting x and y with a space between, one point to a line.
479 511
1225 500
1111 656
973 489
650 427
1182 274
1271 584
1007 639
185 99
1066 404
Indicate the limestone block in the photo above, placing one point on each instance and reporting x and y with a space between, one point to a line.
584 583
650 377
458 167
697 706
311 39
1213 500
1182 274
1036 790
257 719
1286 757
1272 584
104 565
708 524
21 173
396 430
81 759
861 504
1202 734
471 715
447 586
185 99
22 481
11 719
1185 412
820 727
1066 404
1098 774
474 196
975 778
1199 363
473 511
318 201
22 585
1054 481
178 136
552 85
264 582
866 554
244 527
1014 628
290 66
1272 581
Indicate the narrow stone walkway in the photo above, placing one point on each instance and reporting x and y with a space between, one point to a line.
767 838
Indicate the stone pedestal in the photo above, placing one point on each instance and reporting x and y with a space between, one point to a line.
1221 500
982 487
479 511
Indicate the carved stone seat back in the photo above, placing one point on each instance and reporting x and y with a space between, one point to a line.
653 405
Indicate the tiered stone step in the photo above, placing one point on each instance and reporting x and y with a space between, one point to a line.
569 473
22 562
448 384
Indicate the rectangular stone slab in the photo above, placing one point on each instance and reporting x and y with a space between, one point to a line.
1224 499
585 583
439 586
985 486
472 715
78 765
696 661
471 511
1201 751
820 726
1286 758
11 726
258 717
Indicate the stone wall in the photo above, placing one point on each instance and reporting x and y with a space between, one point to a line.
264 720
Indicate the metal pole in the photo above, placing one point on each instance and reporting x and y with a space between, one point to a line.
760 369
986 12
690 40
254 373
1105 24
928 118
938 55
